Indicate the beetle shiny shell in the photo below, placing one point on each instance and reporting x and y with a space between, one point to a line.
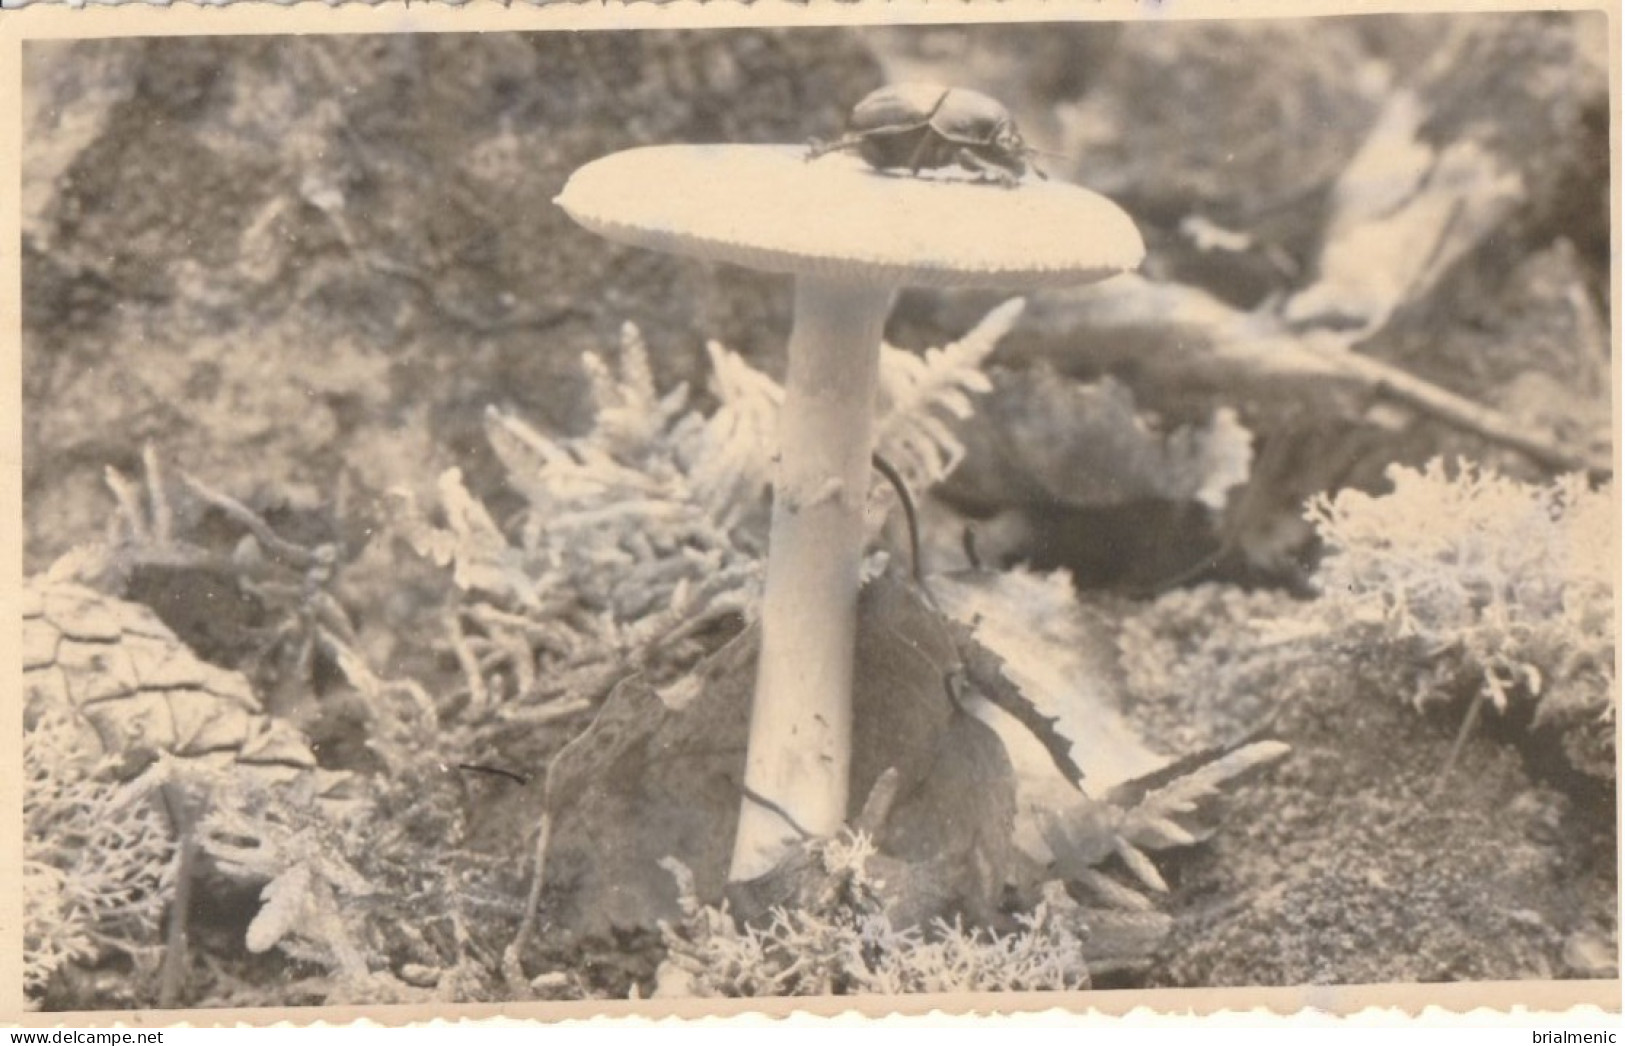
924 126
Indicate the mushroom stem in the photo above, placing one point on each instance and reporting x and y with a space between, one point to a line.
800 754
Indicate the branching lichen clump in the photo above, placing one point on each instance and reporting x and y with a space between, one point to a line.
845 945
1475 583
98 861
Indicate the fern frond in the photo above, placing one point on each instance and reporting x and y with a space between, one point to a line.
730 460
471 543
551 474
1152 823
921 395
631 417
656 512
1465 577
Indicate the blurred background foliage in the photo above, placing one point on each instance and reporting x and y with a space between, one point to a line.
307 265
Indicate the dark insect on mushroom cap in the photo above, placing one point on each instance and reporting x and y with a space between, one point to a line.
925 126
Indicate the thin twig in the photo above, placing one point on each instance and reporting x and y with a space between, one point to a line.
1463 413
163 515
513 970
550 712
295 555
479 694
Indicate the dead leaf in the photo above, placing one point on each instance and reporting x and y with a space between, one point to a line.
1059 656
653 778
1044 438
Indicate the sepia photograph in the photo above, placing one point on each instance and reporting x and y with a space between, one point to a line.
662 512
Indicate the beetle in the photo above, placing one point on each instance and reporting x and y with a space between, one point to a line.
924 126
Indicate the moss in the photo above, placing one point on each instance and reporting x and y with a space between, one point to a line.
1344 866
1357 860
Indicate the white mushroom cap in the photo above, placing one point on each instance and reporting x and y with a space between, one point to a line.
768 207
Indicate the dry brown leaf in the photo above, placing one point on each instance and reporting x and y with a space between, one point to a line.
658 776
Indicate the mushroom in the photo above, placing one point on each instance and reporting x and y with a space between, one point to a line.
852 236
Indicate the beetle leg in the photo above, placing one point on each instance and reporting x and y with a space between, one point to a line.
989 171
917 158
817 147
920 156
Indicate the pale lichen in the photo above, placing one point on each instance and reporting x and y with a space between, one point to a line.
845 944
1483 585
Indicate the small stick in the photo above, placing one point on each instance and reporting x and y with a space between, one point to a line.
967 541
296 555
177 946
163 516
1463 413
476 768
1467 724
129 503
877 807
513 970
478 694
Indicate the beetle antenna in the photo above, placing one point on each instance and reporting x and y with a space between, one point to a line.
817 147
895 478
